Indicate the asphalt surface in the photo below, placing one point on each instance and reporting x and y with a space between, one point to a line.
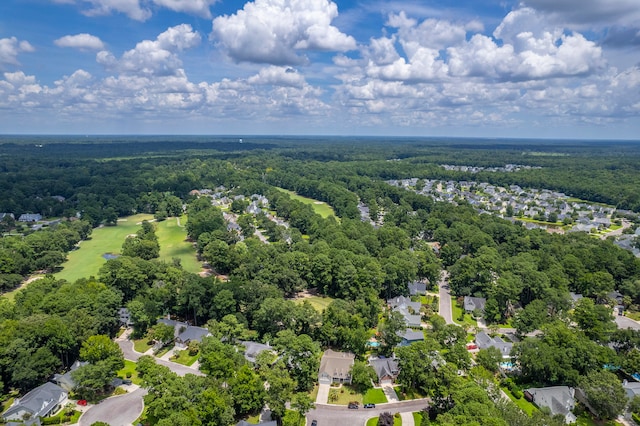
624 322
120 410
445 298
340 415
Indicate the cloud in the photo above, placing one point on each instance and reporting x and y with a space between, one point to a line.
157 57
80 41
193 7
131 8
276 31
10 48
278 76
589 13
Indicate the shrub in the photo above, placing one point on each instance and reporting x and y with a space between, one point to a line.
129 374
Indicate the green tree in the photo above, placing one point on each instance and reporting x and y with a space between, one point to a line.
389 332
163 333
362 376
101 348
489 358
247 390
604 392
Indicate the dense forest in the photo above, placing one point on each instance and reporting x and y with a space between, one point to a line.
526 276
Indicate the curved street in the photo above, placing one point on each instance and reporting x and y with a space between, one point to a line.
331 415
120 410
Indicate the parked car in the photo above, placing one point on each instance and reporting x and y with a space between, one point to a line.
369 406
314 423
353 405
82 402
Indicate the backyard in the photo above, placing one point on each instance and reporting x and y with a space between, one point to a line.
319 303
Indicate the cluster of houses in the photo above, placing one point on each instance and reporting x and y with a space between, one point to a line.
521 203
507 168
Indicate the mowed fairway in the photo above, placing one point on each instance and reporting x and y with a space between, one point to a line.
320 207
319 303
87 260
173 243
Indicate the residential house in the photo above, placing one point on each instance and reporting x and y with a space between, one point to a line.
631 388
386 369
473 303
335 367
575 297
65 381
124 317
409 336
28 217
252 349
417 288
409 310
3 215
559 399
185 333
484 341
39 402
269 423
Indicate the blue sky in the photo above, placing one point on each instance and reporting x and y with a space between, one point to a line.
492 68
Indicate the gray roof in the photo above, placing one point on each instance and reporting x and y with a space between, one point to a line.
484 341
253 349
411 335
417 287
473 303
245 423
65 380
631 388
385 367
559 399
404 301
336 364
39 402
185 332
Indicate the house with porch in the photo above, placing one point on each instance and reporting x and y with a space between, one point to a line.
335 367
386 369
559 400
185 333
42 401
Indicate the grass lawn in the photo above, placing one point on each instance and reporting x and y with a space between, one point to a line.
346 394
320 207
142 345
374 396
185 359
417 418
129 367
397 421
318 302
87 260
164 350
408 395
254 420
456 311
314 393
585 419
173 243
633 315
522 403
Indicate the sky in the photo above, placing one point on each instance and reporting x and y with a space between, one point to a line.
468 68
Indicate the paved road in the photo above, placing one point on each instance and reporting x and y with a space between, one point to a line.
127 349
340 415
624 322
445 298
120 410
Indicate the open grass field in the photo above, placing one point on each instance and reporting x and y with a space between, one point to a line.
88 260
318 303
320 207
185 359
173 244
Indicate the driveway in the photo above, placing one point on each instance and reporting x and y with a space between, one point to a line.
390 393
120 410
446 311
624 322
331 415
323 393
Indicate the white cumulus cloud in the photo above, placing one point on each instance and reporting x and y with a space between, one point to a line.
82 41
278 76
10 48
132 8
193 7
157 57
275 31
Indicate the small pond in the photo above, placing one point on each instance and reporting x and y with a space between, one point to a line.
110 256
